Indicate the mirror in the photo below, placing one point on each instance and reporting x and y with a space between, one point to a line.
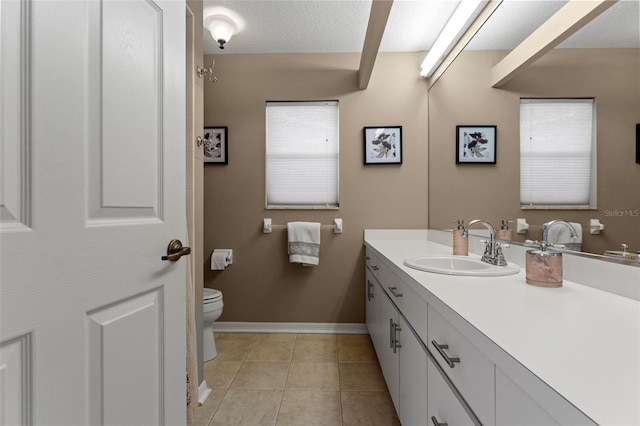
600 61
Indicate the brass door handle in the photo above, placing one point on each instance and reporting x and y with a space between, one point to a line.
175 251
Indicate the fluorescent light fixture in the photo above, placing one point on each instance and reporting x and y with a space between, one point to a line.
459 22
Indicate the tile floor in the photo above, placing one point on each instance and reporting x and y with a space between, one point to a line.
295 379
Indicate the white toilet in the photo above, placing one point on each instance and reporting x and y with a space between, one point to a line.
211 310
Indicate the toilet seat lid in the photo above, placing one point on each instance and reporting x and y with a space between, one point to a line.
211 295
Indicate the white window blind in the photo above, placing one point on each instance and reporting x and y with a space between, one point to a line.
557 142
302 154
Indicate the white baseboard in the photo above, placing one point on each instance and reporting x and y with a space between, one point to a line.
203 392
289 327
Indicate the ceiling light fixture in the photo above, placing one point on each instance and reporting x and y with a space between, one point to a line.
455 27
222 28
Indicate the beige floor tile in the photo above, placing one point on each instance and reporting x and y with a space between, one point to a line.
248 408
368 408
234 346
356 348
203 414
261 376
220 374
317 336
313 376
236 336
288 337
272 348
310 408
361 377
315 348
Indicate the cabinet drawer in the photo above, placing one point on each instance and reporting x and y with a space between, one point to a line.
412 306
371 260
471 372
442 404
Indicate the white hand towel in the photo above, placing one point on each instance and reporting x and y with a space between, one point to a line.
304 242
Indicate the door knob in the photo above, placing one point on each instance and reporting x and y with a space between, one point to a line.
175 251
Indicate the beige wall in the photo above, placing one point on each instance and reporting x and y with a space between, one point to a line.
491 192
195 114
261 285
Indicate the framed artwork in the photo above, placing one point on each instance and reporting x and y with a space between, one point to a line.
638 143
215 145
476 144
383 145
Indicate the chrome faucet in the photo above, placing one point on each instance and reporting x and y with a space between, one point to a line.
493 250
548 225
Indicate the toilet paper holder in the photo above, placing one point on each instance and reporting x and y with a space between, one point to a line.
221 258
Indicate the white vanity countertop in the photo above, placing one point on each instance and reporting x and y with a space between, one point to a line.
581 341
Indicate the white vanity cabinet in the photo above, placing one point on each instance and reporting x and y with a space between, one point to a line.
397 319
401 354
500 352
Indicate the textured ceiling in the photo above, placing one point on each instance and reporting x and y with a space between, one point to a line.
315 26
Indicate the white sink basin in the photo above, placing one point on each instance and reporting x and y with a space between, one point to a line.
459 265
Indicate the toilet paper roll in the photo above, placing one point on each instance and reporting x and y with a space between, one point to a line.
219 260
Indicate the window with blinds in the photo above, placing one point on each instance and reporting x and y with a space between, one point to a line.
557 153
302 154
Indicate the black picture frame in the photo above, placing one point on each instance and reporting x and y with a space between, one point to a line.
383 145
638 143
476 144
216 145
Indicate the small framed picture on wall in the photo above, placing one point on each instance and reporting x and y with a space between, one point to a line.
383 145
476 144
638 143
215 145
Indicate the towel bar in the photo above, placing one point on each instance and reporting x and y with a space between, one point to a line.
267 226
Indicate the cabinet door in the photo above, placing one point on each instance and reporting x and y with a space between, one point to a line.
443 406
413 378
381 317
389 356
377 321
371 292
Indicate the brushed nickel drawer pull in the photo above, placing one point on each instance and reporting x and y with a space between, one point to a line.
375 268
450 361
369 290
392 341
394 291
396 342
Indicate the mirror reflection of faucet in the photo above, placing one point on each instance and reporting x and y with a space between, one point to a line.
569 235
624 253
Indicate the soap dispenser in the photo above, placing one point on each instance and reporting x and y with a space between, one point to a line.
460 239
504 233
544 267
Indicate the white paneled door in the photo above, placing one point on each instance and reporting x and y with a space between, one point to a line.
92 190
